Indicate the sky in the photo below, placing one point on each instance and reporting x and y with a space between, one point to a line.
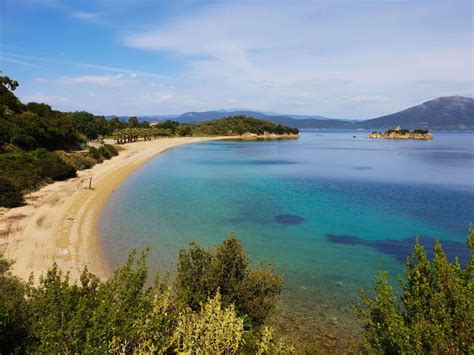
339 59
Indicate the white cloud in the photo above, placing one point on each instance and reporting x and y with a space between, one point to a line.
100 80
337 59
314 58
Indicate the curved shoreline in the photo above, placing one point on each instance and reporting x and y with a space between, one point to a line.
59 221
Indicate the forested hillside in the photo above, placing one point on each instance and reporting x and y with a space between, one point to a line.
36 144
240 125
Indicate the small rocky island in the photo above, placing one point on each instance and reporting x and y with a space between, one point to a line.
267 135
401 133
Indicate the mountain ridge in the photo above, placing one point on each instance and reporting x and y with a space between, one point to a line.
442 113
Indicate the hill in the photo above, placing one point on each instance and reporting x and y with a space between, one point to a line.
447 113
239 124
295 121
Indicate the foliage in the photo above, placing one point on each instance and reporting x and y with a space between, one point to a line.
420 131
78 161
185 130
93 126
104 153
432 315
13 310
37 125
22 172
211 330
270 344
239 125
133 122
10 195
111 149
128 135
225 269
90 317
125 314
28 170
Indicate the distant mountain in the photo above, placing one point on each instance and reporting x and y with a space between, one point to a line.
443 113
447 113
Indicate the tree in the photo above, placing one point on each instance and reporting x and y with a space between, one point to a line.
432 315
225 269
133 122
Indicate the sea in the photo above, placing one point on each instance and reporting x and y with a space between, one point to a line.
328 211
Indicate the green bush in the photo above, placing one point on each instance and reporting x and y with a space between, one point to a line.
202 273
14 326
111 149
77 160
25 171
184 131
434 313
10 195
104 153
52 166
95 154
24 141
125 314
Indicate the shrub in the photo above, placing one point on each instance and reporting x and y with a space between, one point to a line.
24 141
24 171
94 154
201 274
104 153
52 166
21 170
13 310
270 344
77 160
185 130
212 330
111 149
125 314
10 195
432 315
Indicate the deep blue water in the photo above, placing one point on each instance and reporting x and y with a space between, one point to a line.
326 209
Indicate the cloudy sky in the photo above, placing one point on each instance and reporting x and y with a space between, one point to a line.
341 59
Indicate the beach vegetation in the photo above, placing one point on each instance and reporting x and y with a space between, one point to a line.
433 312
127 313
133 122
28 170
226 270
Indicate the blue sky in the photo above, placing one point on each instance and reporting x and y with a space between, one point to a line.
347 59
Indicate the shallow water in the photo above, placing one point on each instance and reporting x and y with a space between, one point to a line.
326 209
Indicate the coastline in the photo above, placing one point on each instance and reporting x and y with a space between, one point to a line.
58 222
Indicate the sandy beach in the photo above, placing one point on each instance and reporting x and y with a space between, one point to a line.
58 222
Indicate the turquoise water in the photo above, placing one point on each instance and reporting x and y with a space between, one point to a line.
326 209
